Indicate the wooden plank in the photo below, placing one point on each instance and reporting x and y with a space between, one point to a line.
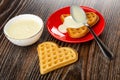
21 63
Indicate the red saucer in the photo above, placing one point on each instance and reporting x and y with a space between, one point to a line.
54 21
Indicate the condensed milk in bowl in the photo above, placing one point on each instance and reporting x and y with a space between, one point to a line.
24 29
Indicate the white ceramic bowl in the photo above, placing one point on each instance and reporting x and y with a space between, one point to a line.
29 40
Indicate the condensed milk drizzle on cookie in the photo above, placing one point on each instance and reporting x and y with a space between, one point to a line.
68 23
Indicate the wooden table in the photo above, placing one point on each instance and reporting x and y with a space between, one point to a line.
21 63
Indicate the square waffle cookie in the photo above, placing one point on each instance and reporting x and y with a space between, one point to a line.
81 31
52 57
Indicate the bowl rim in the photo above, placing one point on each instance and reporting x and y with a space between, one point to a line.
41 29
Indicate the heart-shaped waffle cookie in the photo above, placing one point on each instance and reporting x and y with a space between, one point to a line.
92 18
52 56
81 31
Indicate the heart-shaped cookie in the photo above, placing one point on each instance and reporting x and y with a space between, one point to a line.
52 56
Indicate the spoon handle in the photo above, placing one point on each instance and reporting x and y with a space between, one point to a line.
107 53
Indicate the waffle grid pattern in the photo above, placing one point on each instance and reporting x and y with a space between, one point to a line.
52 57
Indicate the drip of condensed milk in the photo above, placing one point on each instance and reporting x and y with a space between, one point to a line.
69 23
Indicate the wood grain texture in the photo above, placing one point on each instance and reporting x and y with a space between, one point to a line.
21 63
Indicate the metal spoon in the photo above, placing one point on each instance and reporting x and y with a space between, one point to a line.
79 16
